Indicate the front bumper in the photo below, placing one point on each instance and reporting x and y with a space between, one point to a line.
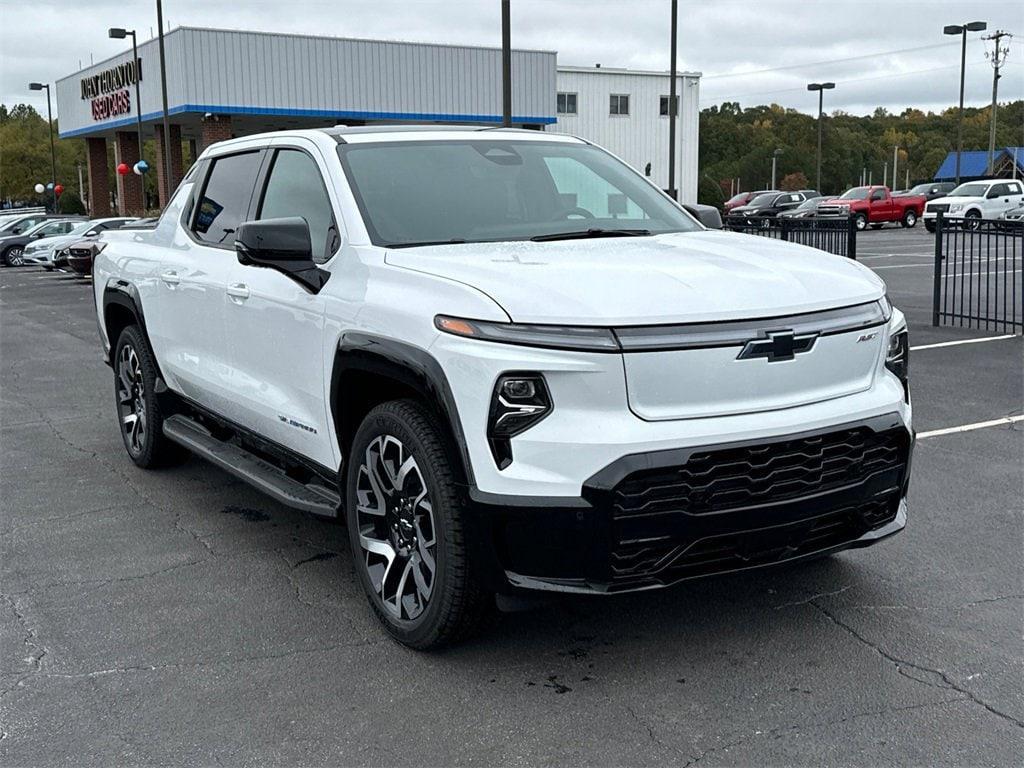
39 258
651 520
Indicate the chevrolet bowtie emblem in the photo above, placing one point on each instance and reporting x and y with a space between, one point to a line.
780 345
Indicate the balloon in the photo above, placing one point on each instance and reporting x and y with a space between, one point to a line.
50 185
123 169
59 189
141 167
40 189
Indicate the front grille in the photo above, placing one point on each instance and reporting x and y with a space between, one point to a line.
830 210
714 481
731 508
671 560
937 207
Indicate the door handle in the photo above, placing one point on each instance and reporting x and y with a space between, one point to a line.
238 292
170 278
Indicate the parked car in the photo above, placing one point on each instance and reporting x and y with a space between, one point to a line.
19 223
742 198
78 257
929 190
766 205
12 246
976 201
505 373
808 208
875 206
42 251
1013 215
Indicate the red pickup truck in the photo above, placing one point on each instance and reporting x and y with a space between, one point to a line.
875 206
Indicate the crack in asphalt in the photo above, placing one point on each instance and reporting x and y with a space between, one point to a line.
781 731
241 660
902 665
37 651
814 597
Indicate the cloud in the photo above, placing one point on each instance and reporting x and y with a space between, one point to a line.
752 51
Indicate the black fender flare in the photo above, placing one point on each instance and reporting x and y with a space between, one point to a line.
122 293
409 365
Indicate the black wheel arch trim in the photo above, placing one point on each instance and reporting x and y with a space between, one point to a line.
408 365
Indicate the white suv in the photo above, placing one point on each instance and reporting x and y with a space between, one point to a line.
976 201
509 362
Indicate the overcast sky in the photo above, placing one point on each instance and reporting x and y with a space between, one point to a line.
891 54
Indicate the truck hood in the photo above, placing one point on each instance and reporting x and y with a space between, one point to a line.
957 200
682 277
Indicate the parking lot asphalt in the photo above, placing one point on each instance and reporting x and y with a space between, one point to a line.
179 617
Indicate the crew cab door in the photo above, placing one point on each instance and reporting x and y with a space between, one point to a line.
276 325
880 206
190 285
1001 197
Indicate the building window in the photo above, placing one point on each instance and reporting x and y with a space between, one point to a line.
566 104
663 106
619 104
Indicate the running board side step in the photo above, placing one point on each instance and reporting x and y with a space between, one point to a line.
246 466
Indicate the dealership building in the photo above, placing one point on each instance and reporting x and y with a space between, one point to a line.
224 83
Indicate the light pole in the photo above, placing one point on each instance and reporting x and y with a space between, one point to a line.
820 88
672 105
962 30
775 157
117 33
506 63
163 93
49 123
998 59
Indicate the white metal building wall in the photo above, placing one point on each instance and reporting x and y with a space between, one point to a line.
640 137
257 73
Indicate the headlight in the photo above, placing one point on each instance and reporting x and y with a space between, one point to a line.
518 402
897 359
956 207
580 338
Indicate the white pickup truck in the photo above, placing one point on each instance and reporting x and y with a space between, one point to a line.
509 362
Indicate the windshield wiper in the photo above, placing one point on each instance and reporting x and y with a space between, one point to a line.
583 234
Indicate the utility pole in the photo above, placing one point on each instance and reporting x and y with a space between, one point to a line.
997 58
168 181
775 157
895 161
885 174
672 106
506 63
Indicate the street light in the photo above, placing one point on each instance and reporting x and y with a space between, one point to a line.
116 33
820 88
49 122
962 30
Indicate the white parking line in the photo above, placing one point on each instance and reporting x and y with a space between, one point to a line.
963 341
970 427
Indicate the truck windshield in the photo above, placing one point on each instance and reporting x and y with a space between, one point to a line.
969 190
761 200
857 193
464 191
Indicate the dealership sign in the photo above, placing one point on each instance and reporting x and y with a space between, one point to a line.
108 90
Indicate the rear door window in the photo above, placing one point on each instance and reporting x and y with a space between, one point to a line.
225 200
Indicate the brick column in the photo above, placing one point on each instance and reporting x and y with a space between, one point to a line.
166 190
214 129
130 200
99 182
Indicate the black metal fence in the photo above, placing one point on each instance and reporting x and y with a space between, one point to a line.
834 234
978 274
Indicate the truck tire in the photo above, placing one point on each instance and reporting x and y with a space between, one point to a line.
405 518
929 224
139 416
909 218
972 220
13 256
860 220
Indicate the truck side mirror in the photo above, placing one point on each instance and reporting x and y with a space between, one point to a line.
707 215
282 245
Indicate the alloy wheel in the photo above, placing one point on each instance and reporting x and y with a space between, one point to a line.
396 528
14 256
131 402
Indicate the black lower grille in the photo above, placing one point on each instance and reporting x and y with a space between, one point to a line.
670 560
723 479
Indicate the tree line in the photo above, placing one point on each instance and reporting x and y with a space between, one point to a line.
739 143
